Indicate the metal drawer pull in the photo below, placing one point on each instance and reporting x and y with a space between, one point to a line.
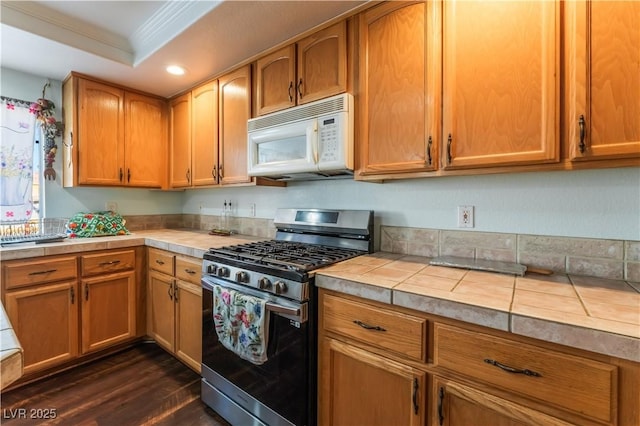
190 271
581 124
48 271
111 262
440 410
414 398
508 369
369 327
159 262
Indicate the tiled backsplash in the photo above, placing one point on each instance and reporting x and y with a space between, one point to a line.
613 259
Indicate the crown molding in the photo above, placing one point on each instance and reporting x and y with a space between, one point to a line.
48 23
167 23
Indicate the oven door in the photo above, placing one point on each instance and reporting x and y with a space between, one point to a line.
279 392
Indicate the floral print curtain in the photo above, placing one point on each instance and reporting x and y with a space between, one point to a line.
17 123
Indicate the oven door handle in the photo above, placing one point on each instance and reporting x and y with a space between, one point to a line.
279 309
296 312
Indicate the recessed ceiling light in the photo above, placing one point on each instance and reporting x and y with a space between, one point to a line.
175 70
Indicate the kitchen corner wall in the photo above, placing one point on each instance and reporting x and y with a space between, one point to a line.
595 204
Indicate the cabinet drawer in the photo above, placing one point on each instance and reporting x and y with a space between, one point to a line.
29 272
189 270
161 261
565 381
100 263
394 331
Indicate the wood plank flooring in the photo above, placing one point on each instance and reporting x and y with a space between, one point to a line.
143 385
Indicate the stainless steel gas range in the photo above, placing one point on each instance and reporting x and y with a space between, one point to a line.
280 390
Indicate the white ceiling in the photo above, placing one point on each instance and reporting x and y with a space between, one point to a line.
131 42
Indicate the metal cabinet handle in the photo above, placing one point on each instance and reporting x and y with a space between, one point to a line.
48 271
111 262
581 126
429 143
120 174
128 175
449 140
213 172
414 398
175 291
189 271
508 369
159 262
368 327
170 291
188 175
73 295
440 410
300 88
220 172
86 292
291 91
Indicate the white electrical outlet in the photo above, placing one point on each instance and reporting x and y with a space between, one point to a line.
111 206
465 216
252 209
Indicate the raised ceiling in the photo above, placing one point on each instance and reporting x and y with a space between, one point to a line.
132 42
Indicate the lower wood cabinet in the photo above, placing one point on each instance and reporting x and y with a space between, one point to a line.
447 372
63 307
175 305
362 388
459 405
45 320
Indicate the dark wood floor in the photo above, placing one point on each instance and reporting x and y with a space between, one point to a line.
142 385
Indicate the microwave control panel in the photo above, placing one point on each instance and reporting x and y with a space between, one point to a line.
328 138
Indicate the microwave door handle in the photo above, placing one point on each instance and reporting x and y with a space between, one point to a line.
314 142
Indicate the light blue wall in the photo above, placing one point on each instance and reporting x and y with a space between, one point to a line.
592 203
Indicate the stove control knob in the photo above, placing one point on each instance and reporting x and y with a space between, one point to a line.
212 269
264 283
223 272
242 277
281 287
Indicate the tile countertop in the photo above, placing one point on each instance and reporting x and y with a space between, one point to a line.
594 314
188 242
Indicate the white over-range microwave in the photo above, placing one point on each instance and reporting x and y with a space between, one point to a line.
307 142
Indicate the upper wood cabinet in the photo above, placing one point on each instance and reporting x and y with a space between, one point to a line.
204 134
194 137
311 69
500 83
113 137
399 100
603 79
234 111
488 71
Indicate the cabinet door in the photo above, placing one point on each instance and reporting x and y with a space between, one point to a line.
108 310
161 310
457 404
145 141
100 134
501 77
204 134
235 110
188 348
603 51
180 142
361 388
322 64
276 87
399 88
45 319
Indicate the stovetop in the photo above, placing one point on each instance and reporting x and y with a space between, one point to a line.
291 260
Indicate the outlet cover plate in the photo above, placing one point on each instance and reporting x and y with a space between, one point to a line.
465 217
